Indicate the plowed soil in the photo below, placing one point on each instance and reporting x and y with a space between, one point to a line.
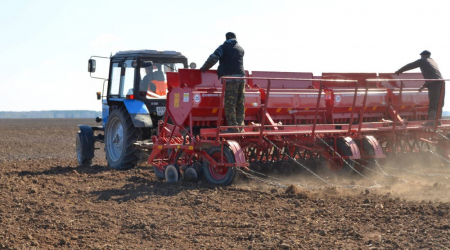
49 202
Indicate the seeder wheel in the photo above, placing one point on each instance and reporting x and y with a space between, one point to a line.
265 168
337 164
171 173
277 168
219 175
368 150
255 166
288 169
160 175
190 175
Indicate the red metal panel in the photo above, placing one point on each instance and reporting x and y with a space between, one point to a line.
344 98
283 84
200 94
412 101
190 77
290 100
206 103
179 105
172 80
295 98
340 102
290 104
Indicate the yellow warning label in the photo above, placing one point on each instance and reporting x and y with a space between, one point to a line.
278 110
214 110
191 147
350 109
374 108
176 100
159 147
402 107
306 108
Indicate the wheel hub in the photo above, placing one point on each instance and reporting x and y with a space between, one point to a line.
117 141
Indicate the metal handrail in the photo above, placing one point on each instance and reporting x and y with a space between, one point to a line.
441 95
269 79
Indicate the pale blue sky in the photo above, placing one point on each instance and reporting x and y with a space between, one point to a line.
45 45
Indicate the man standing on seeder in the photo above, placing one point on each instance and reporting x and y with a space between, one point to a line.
429 70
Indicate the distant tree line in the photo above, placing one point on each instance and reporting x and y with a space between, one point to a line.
51 114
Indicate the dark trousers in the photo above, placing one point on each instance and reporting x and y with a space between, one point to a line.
434 92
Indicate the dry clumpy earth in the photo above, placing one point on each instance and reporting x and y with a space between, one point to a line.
49 202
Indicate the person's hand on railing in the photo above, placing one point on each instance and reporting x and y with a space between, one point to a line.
397 72
421 88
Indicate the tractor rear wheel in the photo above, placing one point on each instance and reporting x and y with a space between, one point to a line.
219 175
120 134
83 160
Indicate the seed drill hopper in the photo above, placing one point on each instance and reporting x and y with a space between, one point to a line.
294 123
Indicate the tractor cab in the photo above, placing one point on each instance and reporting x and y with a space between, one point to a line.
139 78
133 101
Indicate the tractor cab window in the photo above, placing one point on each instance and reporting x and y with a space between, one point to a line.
122 79
154 80
128 81
115 80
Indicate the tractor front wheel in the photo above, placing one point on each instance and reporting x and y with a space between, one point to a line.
82 147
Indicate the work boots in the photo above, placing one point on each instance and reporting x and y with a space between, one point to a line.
430 123
231 121
431 116
231 130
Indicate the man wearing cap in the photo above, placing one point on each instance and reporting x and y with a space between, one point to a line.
429 70
231 63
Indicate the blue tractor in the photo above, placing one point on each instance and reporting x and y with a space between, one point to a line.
133 102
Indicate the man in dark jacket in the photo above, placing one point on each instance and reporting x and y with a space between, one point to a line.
146 83
429 70
231 63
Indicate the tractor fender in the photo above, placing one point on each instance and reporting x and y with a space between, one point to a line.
376 146
239 156
139 113
356 154
87 141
